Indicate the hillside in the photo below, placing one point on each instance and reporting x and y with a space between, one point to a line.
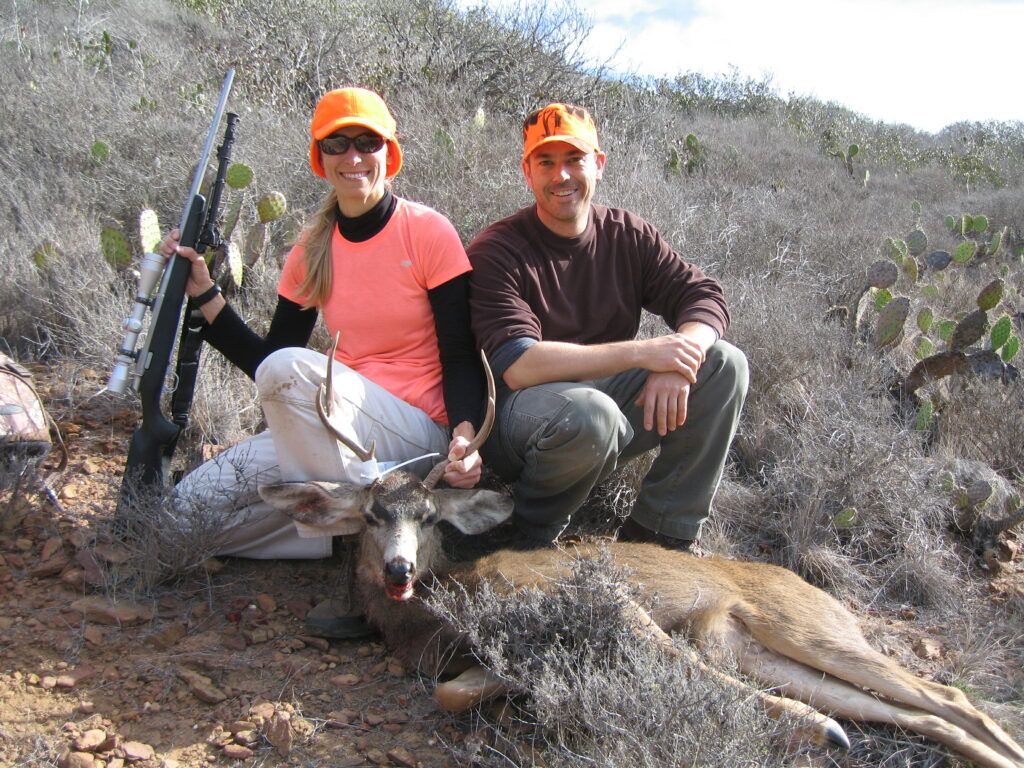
879 455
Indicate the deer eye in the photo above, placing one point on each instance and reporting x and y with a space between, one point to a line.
372 520
430 519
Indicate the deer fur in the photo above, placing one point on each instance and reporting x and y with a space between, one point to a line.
784 633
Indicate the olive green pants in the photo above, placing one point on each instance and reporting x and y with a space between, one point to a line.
554 442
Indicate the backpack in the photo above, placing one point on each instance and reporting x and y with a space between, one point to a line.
24 423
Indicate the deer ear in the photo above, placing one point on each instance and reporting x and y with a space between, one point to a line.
335 507
473 511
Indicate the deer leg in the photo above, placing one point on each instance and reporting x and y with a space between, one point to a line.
843 652
845 700
817 728
467 690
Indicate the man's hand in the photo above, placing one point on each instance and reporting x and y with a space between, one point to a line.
674 353
463 471
664 400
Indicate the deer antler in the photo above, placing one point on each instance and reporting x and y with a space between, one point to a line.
325 402
485 429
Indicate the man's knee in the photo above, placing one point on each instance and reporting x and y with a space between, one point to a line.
729 369
589 424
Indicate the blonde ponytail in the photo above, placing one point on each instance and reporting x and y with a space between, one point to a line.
316 238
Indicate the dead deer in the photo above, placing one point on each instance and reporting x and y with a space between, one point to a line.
784 633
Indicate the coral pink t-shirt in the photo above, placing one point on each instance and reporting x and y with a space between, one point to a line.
379 301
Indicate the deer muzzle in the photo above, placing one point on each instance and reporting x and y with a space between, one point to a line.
399 576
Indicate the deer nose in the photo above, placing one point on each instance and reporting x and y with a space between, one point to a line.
399 571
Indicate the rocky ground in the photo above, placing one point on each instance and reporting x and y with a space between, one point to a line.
217 669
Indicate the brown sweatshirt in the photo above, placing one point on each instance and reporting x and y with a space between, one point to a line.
529 284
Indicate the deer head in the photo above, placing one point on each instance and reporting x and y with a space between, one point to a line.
396 513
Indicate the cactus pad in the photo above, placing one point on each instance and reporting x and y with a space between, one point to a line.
149 230
950 222
979 223
271 206
255 244
232 215
965 251
969 330
882 274
991 295
115 248
233 261
890 322
99 151
844 520
923 418
479 119
897 248
934 368
915 207
45 253
930 292
882 298
910 268
239 176
924 319
1010 348
996 243
945 328
917 241
444 142
1001 330
924 348
938 260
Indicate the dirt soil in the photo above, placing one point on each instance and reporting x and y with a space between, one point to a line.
218 670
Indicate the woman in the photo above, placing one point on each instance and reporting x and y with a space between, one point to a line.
391 276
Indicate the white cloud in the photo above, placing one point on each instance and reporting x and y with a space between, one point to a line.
927 63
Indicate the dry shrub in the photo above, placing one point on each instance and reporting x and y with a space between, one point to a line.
984 420
595 692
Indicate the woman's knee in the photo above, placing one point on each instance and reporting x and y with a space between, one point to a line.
289 369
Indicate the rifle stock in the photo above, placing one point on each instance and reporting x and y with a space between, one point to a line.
154 440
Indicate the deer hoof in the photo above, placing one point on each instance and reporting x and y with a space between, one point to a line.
467 690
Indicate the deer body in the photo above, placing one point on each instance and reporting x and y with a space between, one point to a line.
788 635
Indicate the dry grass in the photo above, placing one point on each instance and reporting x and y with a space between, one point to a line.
593 692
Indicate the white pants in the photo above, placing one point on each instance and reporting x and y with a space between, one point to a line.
297 446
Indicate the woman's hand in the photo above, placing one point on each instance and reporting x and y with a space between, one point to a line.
199 279
463 471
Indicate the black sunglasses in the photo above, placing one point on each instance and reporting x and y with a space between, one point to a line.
338 144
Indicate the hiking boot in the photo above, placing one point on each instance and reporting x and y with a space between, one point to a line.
339 616
335 619
634 532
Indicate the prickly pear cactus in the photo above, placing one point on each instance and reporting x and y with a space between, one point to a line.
938 260
965 252
917 242
969 330
149 230
890 322
232 216
271 207
934 368
924 347
1001 330
45 254
991 295
883 274
115 248
234 264
910 269
924 319
238 176
923 418
255 244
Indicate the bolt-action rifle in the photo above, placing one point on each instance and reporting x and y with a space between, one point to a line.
153 442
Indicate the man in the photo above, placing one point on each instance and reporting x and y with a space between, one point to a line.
556 295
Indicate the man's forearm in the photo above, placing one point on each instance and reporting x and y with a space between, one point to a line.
561 361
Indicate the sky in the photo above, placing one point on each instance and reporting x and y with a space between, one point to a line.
926 63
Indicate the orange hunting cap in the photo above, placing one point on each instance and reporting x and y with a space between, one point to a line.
560 122
353 106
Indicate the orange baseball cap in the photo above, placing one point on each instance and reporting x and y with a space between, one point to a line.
353 106
560 122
